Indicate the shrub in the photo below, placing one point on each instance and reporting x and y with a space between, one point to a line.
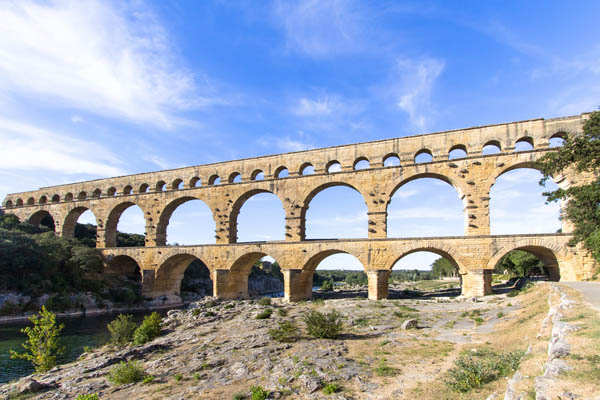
88 397
148 379
210 304
265 301
122 329
500 314
258 393
229 306
126 372
475 370
331 388
265 314
327 286
282 311
178 377
149 329
286 332
327 326
43 344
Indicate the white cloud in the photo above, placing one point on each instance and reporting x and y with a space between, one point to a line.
28 147
416 79
320 28
114 61
307 107
76 119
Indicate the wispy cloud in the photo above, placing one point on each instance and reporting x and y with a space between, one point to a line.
113 61
415 80
308 107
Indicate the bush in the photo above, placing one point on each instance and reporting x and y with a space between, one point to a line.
327 326
286 332
258 393
43 343
265 314
88 397
327 286
126 372
148 379
122 329
331 388
472 371
178 377
265 301
148 330
282 311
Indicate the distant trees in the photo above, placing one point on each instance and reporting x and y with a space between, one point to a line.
443 268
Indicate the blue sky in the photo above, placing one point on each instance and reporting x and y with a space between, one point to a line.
92 89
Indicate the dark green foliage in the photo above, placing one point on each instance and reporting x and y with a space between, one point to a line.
43 341
327 286
327 326
286 332
442 268
474 370
126 372
88 397
520 263
265 314
265 301
331 388
122 329
582 154
265 268
149 329
258 393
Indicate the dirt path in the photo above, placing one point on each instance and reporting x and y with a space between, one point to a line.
589 290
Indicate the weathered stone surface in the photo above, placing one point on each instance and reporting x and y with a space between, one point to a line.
410 324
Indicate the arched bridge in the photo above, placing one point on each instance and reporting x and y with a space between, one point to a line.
365 167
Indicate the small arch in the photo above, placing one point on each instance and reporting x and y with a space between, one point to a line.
214 180
333 166
127 189
282 172
235 177
361 163
391 160
30 201
161 186
43 200
112 191
177 184
55 198
307 169
257 175
558 139
524 144
423 156
195 182
96 193
457 151
19 202
491 147
43 218
82 195
8 204
144 188
69 196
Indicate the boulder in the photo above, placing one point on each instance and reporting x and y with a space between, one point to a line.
410 324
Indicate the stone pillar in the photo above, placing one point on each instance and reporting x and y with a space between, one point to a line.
294 229
477 210
296 285
148 283
377 224
477 282
229 284
101 238
152 239
378 283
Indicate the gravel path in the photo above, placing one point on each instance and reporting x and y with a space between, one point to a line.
589 290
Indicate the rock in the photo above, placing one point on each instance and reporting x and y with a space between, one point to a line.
173 313
309 383
410 324
555 368
558 349
30 385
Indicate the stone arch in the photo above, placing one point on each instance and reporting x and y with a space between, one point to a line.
55 198
236 283
436 248
143 188
30 201
433 175
560 134
19 202
391 158
549 253
525 139
96 193
237 206
43 199
355 164
281 169
516 165
304 167
494 144
457 148
42 217
68 227
160 186
195 182
167 213
127 189
122 265
214 180
113 220
233 177
8 204
112 191
175 184
333 164
82 195
255 174
421 152
170 273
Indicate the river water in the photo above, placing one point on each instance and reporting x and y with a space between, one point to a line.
78 332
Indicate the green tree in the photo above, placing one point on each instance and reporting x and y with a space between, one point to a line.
580 153
442 267
520 263
43 343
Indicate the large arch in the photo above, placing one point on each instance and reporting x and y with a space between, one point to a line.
171 271
42 217
316 191
167 214
545 252
439 249
126 282
239 204
68 228
234 283
112 221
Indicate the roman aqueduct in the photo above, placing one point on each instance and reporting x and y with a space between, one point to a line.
219 185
